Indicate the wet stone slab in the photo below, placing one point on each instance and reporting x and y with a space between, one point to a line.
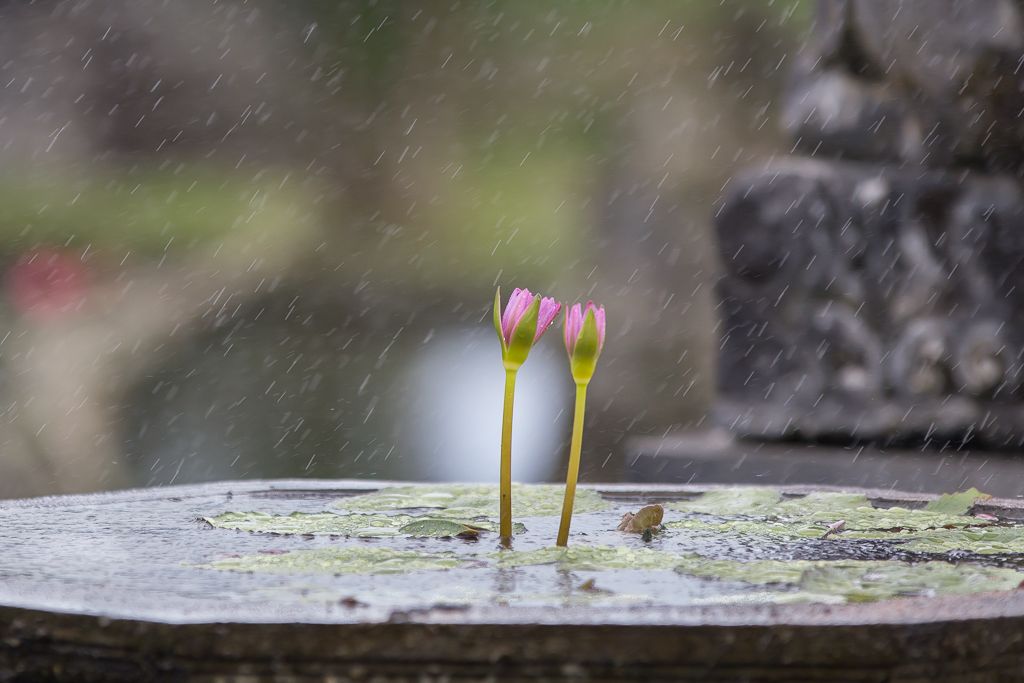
193 581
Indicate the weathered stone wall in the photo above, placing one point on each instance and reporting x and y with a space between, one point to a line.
872 287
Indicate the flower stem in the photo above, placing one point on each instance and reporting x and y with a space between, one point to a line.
506 459
574 464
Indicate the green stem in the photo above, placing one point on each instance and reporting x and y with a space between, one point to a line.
506 459
574 465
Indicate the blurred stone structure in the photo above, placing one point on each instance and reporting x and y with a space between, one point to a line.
872 285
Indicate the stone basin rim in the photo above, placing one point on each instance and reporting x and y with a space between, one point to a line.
1007 606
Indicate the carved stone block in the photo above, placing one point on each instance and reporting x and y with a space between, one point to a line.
872 302
931 82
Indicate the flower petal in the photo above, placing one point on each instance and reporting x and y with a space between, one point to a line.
600 319
497 320
573 325
514 311
548 310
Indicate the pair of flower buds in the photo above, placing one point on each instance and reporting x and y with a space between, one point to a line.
524 321
527 316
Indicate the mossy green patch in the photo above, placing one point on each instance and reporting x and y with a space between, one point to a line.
352 560
355 525
731 502
858 580
150 211
312 523
994 540
957 503
432 526
714 540
594 558
867 518
469 501
808 516
939 527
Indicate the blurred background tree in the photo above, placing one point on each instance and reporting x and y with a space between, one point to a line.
260 238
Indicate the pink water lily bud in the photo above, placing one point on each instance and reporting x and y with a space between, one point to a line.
525 319
584 339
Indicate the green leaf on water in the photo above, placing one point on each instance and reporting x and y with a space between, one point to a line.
751 512
957 503
353 525
312 523
731 502
445 528
938 528
857 580
1002 540
440 528
469 501
870 581
353 560
593 558
821 503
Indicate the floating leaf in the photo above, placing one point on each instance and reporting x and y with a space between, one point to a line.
315 523
593 558
730 502
957 503
858 580
810 516
353 560
982 541
821 503
441 528
870 581
761 572
353 525
468 501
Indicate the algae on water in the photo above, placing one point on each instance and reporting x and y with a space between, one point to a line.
588 557
726 541
347 560
957 503
312 523
355 525
729 502
858 580
939 527
469 501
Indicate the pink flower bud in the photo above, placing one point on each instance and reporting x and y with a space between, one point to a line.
574 318
584 339
525 319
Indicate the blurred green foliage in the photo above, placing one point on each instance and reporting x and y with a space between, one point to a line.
147 213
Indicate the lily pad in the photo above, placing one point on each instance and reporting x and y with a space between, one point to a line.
444 528
351 560
857 580
353 525
594 558
734 544
731 502
440 528
810 516
470 501
872 581
938 528
313 523
982 541
957 503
